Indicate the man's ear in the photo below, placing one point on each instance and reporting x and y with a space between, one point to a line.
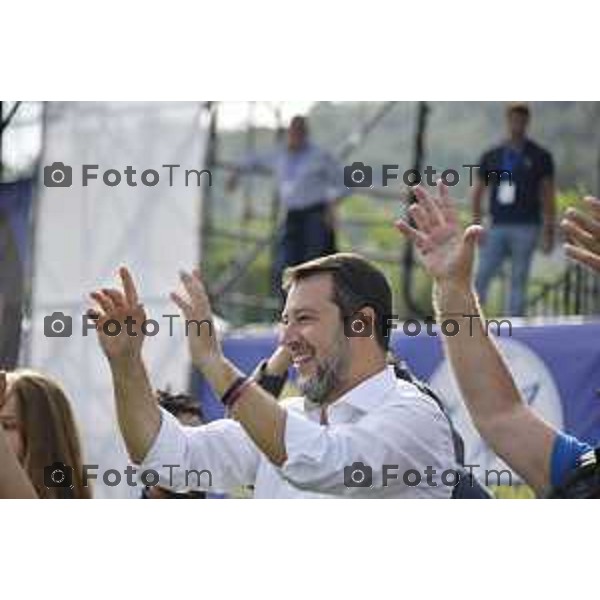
360 324
369 312
370 316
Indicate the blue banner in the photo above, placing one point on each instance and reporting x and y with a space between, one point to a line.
556 367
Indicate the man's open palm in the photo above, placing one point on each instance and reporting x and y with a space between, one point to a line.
119 305
194 303
446 250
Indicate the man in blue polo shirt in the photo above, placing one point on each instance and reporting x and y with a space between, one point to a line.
551 462
519 175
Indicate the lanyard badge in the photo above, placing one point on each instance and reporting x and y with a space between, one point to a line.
507 187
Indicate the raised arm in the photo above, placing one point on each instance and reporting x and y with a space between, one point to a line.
137 409
253 162
311 456
498 411
259 414
155 439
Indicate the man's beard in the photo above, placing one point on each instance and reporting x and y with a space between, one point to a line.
330 373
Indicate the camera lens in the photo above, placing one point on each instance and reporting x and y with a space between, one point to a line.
360 478
358 326
60 178
58 476
360 178
60 328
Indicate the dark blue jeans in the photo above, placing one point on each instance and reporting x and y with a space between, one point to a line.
516 243
305 235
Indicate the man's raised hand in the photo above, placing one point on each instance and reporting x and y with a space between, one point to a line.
204 346
123 307
446 250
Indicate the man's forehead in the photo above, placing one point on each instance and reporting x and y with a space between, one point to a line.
311 292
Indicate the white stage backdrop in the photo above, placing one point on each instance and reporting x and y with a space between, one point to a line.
83 233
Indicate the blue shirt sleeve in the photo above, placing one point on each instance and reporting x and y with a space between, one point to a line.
565 453
265 160
336 190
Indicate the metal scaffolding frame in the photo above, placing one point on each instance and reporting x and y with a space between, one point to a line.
249 245
224 290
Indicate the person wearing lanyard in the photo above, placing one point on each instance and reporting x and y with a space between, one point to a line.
520 177
310 185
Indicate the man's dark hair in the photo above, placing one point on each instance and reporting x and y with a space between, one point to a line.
299 122
357 283
519 108
177 404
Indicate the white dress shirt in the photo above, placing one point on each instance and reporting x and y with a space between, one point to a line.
382 421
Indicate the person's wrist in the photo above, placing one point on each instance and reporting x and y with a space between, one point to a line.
125 360
453 284
218 372
455 296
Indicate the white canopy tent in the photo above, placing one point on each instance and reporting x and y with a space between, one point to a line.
84 233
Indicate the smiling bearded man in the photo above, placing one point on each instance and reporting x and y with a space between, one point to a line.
357 431
329 370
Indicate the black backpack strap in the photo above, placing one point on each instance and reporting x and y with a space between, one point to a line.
468 487
403 372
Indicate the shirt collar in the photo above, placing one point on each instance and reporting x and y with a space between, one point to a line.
524 146
366 395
